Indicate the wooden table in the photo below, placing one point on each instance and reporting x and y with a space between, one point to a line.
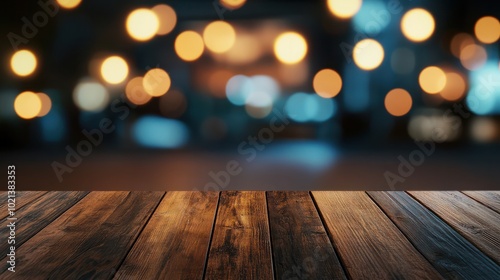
255 235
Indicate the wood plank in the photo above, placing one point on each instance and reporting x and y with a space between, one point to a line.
301 247
479 224
22 198
240 247
174 244
488 198
449 252
369 244
35 216
87 241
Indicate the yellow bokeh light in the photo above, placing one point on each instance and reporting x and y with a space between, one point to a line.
455 87
344 9
417 25
459 42
398 102
27 105
473 57
432 79
46 104
189 45
232 4
368 54
69 4
487 30
23 63
327 83
114 70
90 96
167 18
142 24
219 36
156 82
135 93
290 48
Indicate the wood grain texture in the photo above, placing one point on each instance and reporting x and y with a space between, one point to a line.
87 241
35 216
479 224
301 247
22 198
488 198
240 247
369 244
174 244
449 252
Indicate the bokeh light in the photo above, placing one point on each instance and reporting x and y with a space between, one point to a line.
459 42
189 45
455 87
327 83
246 49
135 93
483 129
398 102
167 18
290 47
372 18
90 96
69 4
473 57
232 4
23 63
258 104
483 97
114 70
344 9
430 125
142 24
46 104
368 54
432 79
487 30
417 25
156 82
240 88
303 107
27 105
219 36
158 132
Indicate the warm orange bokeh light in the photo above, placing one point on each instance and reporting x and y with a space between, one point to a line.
290 48
432 79
189 45
219 36
473 57
368 54
135 92
455 87
344 9
46 104
327 83
398 102
417 25
487 30
27 105
156 82
459 42
23 63
167 18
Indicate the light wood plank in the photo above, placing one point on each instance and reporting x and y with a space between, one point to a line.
174 243
369 244
240 247
301 248
479 224
35 216
488 198
22 198
87 241
449 252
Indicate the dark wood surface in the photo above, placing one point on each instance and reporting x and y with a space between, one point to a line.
255 235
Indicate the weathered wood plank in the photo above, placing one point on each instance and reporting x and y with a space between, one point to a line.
301 247
174 244
449 252
35 216
369 244
22 198
87 241
488 198
240 247
479 224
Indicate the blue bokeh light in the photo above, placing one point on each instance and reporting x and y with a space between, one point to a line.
304 107
157 132
484 93
372 18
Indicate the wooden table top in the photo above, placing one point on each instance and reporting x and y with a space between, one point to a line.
255 235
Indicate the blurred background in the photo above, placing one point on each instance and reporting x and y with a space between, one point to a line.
235 94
